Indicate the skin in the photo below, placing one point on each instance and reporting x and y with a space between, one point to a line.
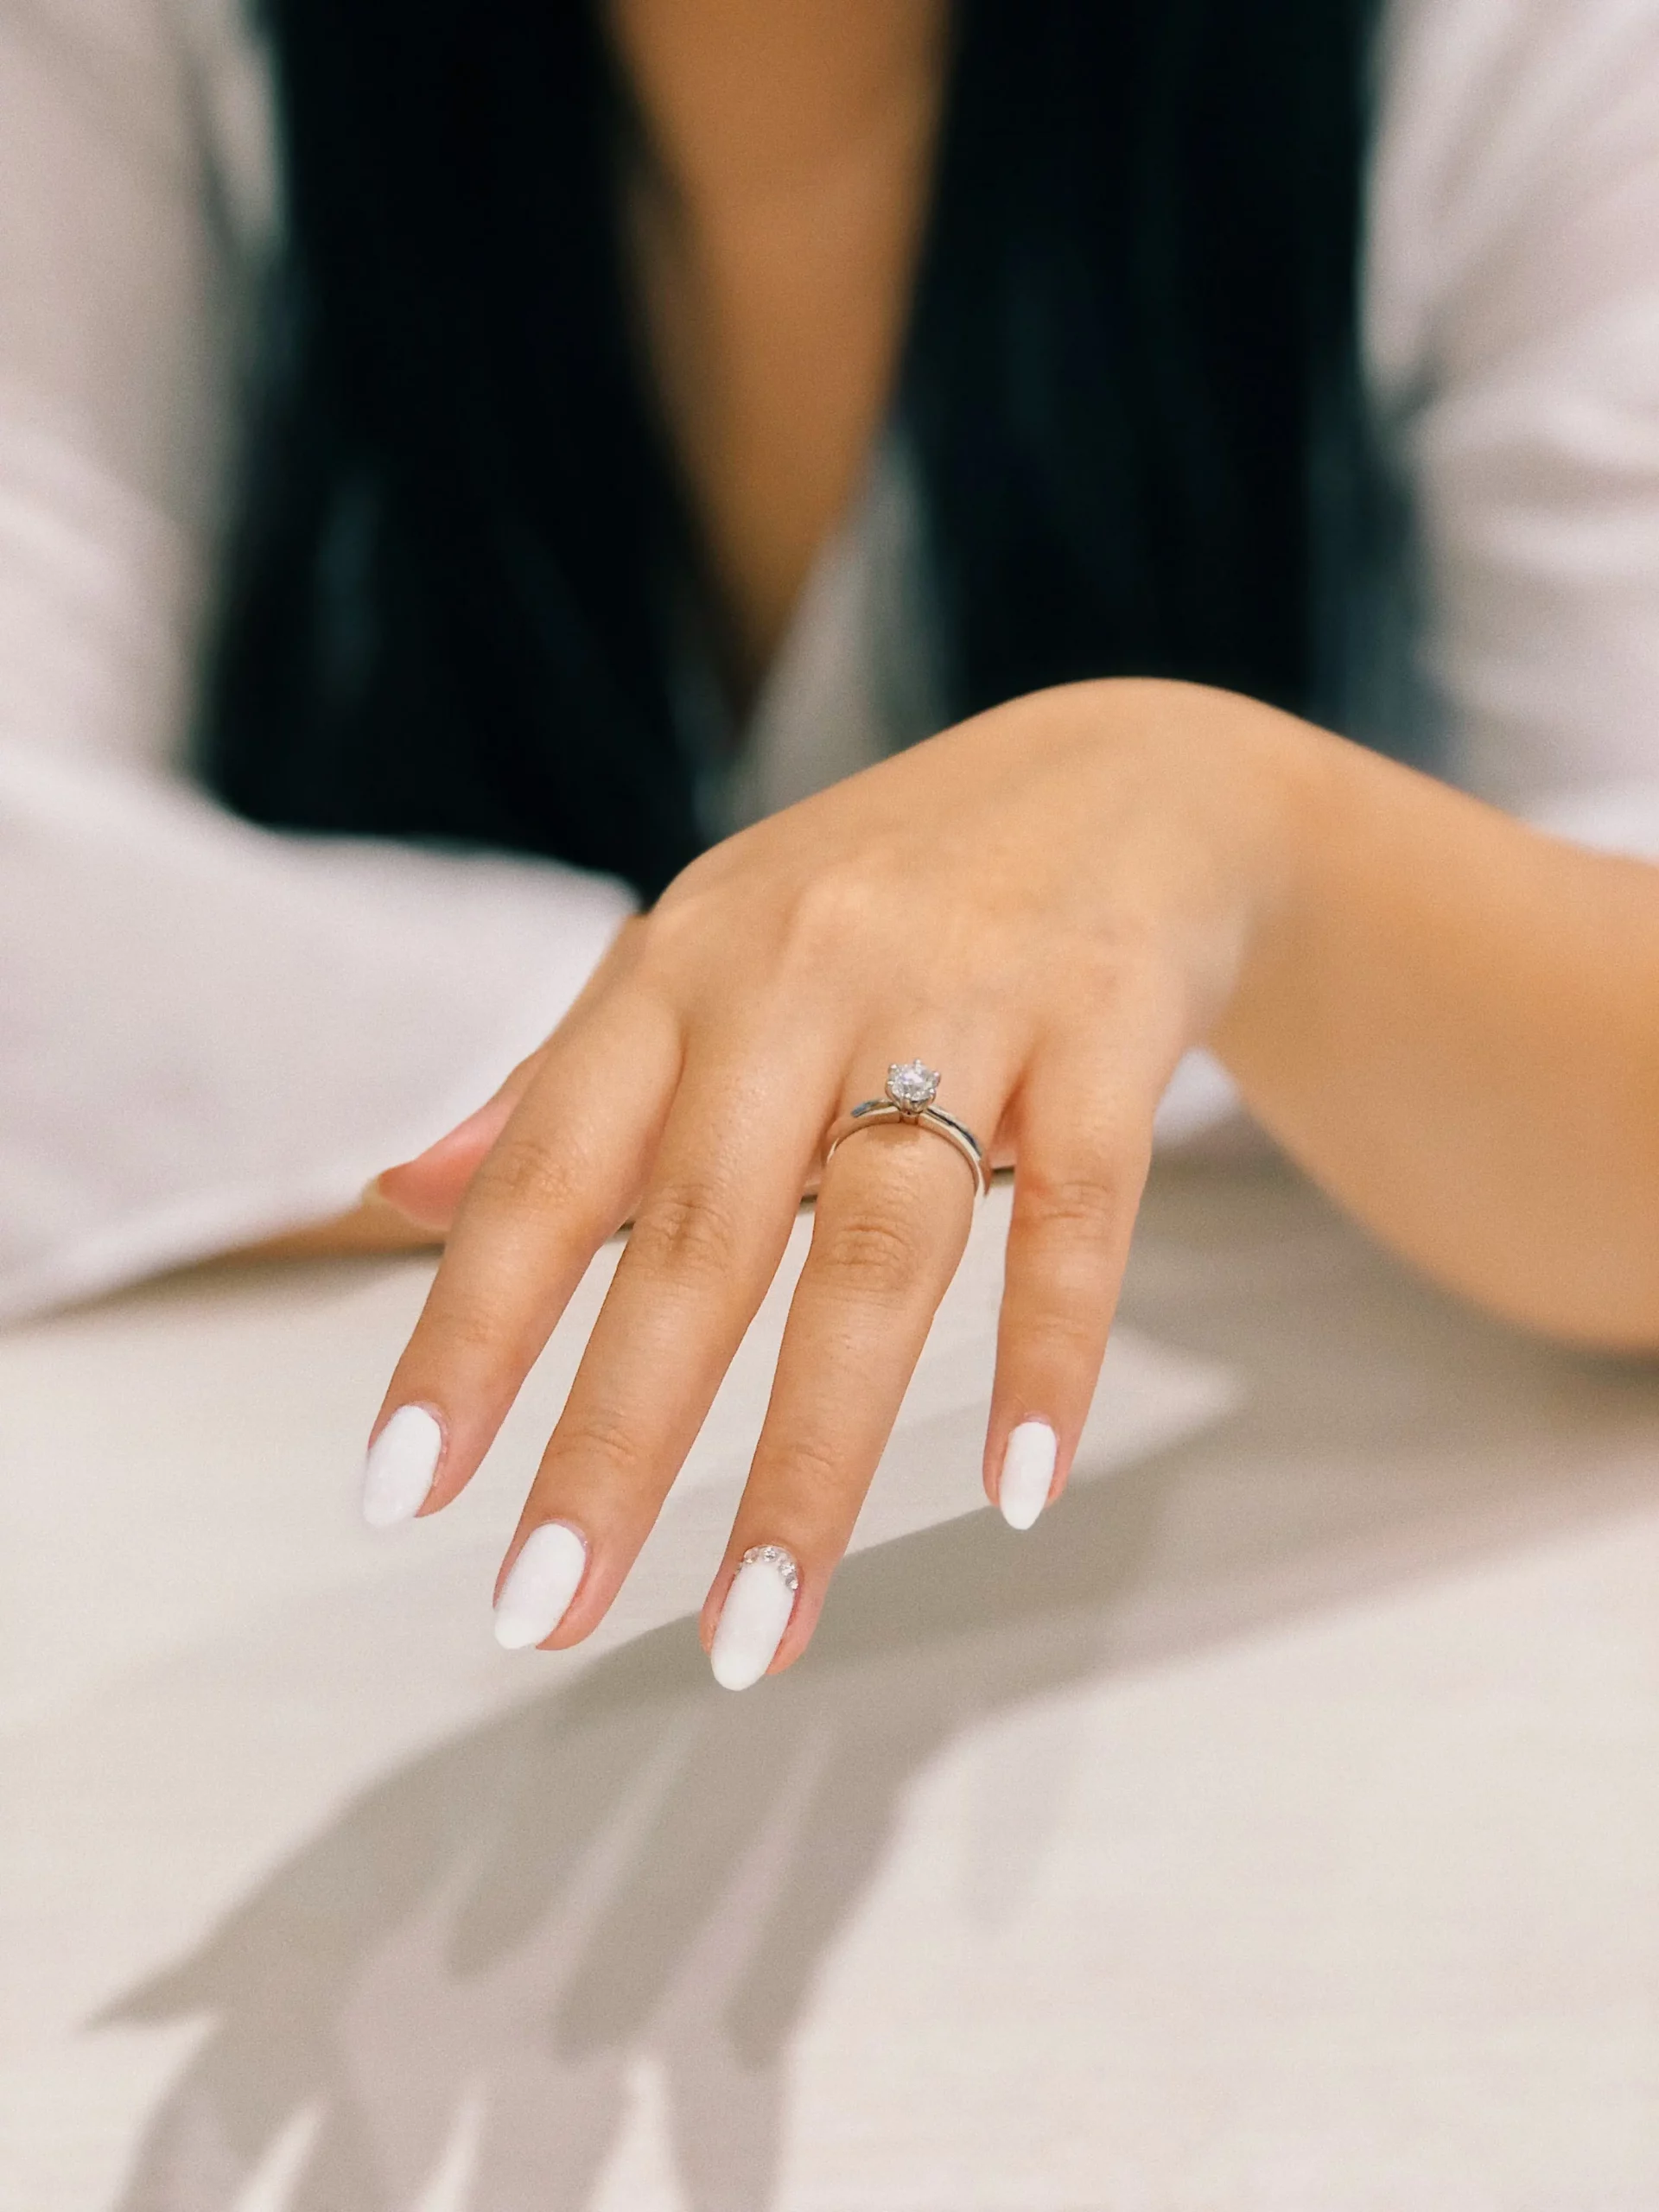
1050 903
1107 874
775 224
775 220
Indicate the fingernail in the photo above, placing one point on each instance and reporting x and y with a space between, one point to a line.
479 1118
1027 1472
542 1579
398 1471
756 1613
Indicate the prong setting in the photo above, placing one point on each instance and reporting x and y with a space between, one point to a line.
912 1085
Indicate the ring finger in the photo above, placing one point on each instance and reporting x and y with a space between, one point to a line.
893 1216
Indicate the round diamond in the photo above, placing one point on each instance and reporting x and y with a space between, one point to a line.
911 1086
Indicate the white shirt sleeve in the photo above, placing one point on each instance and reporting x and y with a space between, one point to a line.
208 1032
1513 332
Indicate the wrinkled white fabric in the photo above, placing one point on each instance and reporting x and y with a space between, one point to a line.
208 1030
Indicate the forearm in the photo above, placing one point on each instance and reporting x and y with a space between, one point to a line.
246 1026
1453 1024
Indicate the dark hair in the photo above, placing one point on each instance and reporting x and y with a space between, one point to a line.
465 588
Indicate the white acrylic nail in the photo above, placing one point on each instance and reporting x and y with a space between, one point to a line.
542 1581
402 1462
756 1613
1028 1473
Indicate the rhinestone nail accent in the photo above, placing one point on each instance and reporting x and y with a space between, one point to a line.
774 1555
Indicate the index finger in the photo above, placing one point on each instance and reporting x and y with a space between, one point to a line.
561 1177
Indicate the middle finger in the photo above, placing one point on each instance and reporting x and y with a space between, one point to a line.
707 1238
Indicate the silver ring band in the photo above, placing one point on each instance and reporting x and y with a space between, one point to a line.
911 1091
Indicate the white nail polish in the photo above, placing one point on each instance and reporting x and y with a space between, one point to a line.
1028 1473
756 1613
402 1462
542 1579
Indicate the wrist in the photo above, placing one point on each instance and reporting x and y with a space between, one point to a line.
1303 779
1213 808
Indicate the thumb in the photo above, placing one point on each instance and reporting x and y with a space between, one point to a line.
429 1188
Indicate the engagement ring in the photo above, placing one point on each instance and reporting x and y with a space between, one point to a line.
911 1089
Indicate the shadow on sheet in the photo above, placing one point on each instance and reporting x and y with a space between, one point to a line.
462 1973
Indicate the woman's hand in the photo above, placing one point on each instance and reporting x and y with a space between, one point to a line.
1048 904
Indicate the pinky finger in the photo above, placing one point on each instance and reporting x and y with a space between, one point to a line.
1076 1186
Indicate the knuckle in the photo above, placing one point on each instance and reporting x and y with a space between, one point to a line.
470 1326
878 1256
597 1437
687 1232
1067 1331
675 929
1087 1206
812 1470
830 912
527 1173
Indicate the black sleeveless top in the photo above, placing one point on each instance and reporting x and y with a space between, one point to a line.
467 589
